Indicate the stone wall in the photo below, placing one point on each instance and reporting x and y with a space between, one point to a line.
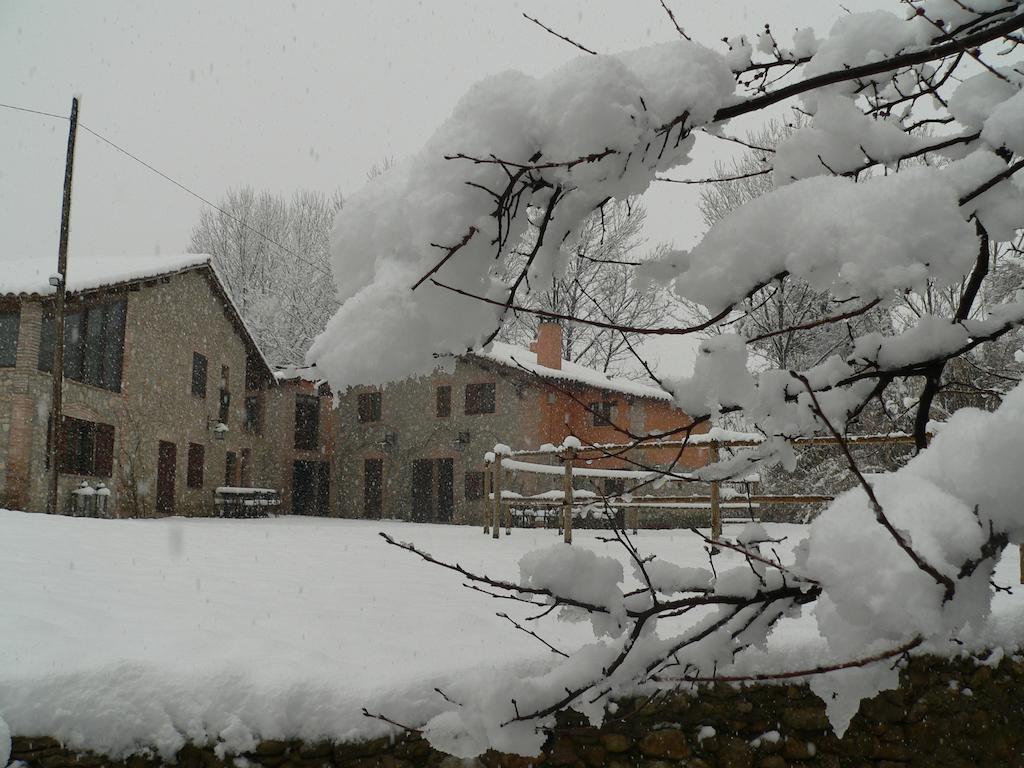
959 714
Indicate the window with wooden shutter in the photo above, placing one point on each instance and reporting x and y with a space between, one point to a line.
602 412
86 448
480 398
198 375
9 323
369 407
93 343
444 401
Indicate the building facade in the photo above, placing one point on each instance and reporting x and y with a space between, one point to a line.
161 383
414 449
298 419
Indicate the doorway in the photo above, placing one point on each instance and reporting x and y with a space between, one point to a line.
373 488
166 471
433 482
310 488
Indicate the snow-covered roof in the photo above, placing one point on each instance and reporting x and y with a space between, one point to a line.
293 372
571 373
31 277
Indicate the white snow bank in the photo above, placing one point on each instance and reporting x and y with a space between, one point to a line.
121 635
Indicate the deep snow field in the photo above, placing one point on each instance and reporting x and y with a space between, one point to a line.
122 634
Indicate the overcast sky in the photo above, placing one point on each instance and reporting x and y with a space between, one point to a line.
284 96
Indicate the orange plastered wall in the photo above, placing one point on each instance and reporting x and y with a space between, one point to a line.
564 412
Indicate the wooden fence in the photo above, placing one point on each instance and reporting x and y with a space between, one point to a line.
499 501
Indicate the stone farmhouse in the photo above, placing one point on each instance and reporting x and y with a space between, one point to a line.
171 409
415 448
166 394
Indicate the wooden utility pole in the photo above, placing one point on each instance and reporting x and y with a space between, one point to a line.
60 281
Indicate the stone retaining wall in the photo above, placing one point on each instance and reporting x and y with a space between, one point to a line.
958 714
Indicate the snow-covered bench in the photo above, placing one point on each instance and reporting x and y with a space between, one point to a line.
232 501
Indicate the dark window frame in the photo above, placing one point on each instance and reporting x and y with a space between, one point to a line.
94 337
602 412
481 398
10 329
200 371
307 422
86 448
370 407
444 401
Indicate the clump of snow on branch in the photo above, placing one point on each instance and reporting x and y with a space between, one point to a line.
957 504
382 242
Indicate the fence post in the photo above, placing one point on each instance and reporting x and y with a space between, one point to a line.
716 509
569 455
506 507
487 495
496 522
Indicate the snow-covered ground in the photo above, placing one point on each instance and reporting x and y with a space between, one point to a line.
115 635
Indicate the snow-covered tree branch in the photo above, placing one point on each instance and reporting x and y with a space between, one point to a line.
902 183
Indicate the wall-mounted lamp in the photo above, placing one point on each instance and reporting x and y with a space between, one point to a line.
390 441
461 441
219 428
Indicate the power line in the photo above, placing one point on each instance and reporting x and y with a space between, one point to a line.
178 184
34 111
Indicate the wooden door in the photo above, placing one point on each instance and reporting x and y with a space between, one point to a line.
422 490
166 471
445 484
373 487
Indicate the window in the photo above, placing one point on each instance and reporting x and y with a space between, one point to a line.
230 468
614 486
196 464
9 322
307 421
93 344
225 396
86 448
198 375
246 467
474 486
252 414
480 398
444 401
253 371
369 407
602 412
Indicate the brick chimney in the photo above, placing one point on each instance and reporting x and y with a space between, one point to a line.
548 345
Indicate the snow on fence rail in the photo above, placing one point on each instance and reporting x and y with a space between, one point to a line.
499 501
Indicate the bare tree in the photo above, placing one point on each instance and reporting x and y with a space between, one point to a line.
273 255
598 282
